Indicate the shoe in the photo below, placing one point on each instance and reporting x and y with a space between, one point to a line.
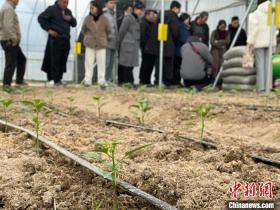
85 84
21 84
103 85
58 84
50 83
64 83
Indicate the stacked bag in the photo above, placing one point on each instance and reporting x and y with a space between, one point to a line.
235 75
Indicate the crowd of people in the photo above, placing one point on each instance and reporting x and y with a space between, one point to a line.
192 55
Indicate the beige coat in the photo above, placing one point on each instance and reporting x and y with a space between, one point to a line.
9 24
96 33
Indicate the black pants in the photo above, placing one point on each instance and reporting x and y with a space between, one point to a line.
59 52
125 75
201 83
147 67
176 70
15 59
167 77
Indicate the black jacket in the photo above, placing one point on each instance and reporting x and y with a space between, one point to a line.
52 18
242 38
152 47
146 29
201 31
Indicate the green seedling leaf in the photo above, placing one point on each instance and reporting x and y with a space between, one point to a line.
5 102
93 155
136 149
203 111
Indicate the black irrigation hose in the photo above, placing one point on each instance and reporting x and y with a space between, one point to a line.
203 143
126 186
110 122
267 161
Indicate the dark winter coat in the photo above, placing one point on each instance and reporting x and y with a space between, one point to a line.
184 34
201 31
52 18
129 36
218 48
242 38
146 30
172 20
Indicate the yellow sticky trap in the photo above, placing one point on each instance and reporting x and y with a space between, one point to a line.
269 14
77 48
162 32
277 14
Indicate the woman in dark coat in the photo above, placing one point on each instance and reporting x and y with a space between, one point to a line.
220 39
184 34
129 37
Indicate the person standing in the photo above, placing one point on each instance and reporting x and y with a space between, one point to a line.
10 38
148 60
129 36
220 39
184 34
233 28
200 27
96 30
126 10
153 45
259 41
113 39
57 20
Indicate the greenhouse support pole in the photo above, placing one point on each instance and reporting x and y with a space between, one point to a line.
76 39
235 39
28 37
272 32
161 47
195 8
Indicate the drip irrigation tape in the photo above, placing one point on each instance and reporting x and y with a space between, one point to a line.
124 185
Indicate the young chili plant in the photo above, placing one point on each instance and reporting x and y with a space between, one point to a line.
6 103
143 107
71 101
37 105
108 149
203 111
99 104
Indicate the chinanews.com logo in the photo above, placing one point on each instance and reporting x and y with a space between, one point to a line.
251 192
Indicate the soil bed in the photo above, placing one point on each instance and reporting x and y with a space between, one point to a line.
180 173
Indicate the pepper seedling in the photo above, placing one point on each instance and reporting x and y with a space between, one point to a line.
99 104
203 111
143 107
6 103
71 101
108 149
37 105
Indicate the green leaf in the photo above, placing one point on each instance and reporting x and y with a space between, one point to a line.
136 149
106 174
203 111
98 98
93 155
6 102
